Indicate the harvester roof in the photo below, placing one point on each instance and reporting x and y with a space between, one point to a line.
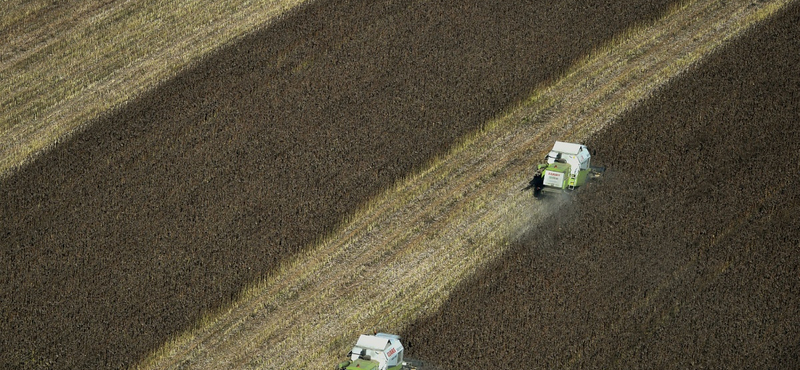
373 342
568 148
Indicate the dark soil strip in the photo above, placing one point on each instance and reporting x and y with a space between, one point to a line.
684 256
129 232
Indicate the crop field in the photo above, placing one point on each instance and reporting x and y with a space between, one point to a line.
356 167
63 63
164 209
684 256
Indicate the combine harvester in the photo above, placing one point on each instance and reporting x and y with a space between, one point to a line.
567 167
378 352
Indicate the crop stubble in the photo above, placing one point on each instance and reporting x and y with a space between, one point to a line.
165 209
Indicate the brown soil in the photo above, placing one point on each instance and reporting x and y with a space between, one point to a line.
127 233
683 256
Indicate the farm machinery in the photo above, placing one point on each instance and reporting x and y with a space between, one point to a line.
566 167
377 352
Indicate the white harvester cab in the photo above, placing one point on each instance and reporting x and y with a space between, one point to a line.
381 349
576 155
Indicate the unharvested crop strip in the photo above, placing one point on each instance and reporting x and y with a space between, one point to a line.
705 280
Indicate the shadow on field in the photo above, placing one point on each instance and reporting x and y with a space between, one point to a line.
128 232
683 256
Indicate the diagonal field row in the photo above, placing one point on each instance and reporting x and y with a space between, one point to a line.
401 256
63 64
